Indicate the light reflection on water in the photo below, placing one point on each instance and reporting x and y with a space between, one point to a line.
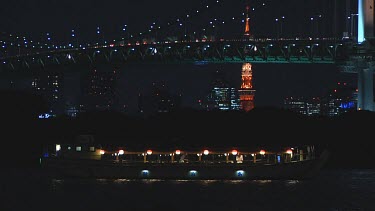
333 190
182 181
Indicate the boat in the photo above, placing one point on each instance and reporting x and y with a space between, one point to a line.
75 162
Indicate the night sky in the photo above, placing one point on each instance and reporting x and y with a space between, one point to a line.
35 18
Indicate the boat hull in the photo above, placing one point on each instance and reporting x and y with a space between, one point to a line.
176 171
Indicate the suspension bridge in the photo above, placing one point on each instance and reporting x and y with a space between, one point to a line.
187 39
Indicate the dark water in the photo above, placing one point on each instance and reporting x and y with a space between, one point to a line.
334 190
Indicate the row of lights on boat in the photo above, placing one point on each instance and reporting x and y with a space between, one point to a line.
194 173
205 152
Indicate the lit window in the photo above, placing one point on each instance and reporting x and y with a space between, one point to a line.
78 148
58 147
92 149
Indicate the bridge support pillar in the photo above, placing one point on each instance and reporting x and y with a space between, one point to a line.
364 67
366 89
365 20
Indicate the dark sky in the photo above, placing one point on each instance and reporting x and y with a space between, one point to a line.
35 18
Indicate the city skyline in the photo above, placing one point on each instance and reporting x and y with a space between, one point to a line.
193 82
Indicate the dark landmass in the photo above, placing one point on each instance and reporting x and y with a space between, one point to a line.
349 137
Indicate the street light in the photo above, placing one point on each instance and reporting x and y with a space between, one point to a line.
279 21
277 27
124 31
98 33
316 18
281 25
74 38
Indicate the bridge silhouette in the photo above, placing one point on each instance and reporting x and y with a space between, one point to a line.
352 50
172 43
231 51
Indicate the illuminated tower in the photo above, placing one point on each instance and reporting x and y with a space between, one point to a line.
246 91
247 26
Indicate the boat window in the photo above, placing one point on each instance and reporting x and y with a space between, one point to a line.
78 148
92 149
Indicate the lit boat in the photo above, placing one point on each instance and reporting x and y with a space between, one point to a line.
292 163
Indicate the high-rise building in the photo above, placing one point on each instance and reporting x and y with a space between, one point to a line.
49 85
158 100
99 89
342 99
246 92
308 107
222 96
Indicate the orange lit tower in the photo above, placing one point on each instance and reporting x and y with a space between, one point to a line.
246 92
247 26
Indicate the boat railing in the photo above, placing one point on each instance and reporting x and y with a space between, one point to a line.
191 158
